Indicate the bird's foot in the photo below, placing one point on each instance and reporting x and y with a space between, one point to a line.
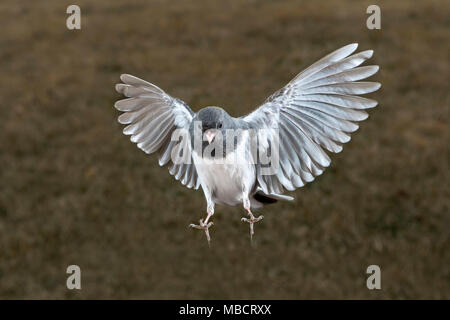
251 221
203 226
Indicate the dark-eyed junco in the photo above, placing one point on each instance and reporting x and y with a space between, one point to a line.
252 159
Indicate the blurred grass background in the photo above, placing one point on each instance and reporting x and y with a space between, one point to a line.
74 190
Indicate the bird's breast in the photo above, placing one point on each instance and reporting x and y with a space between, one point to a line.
226 177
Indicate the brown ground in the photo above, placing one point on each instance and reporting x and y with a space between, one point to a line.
74 190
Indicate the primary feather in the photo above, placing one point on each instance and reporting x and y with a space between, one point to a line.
317 110
152 115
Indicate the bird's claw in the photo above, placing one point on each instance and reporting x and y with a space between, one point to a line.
203 226
251 221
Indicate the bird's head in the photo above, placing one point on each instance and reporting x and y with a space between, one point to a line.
213 120
210 125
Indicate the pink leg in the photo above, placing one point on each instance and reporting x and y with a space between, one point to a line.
251 221
204 225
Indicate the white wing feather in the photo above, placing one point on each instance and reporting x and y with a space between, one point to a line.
316 110
151 116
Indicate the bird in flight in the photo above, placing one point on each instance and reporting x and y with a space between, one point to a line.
252 159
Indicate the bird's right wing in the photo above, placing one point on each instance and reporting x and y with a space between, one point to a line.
152 116
317 110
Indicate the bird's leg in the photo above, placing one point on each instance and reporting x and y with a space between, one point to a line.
204 224
252 218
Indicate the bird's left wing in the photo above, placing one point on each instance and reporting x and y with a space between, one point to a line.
317 110
152 116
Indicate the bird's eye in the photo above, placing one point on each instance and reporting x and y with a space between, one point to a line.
219 125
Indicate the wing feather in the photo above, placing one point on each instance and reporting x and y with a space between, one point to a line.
151 116
316 110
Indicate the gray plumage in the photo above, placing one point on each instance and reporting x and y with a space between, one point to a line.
314 112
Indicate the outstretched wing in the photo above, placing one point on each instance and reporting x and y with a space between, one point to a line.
151 116
317 110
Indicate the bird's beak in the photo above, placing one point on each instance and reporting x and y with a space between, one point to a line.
210 134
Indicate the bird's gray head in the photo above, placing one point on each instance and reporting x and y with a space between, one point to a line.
213 123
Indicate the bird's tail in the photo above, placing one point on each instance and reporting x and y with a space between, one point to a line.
270 198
